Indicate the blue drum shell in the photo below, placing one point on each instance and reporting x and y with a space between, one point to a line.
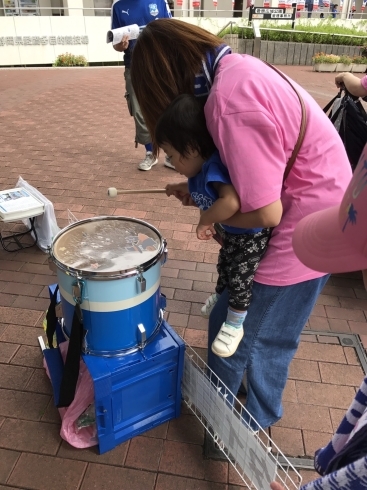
113 309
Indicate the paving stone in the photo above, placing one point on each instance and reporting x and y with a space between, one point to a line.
37 472
358 304
14 377
206 267
328 300
104 477
17 333
17 316
7 351
31 303
178 319
216 471
337 291
3 327
8 460
19 404
320 352
289 440
24 435
328 339
314 440
303 416
306 370
319 310
39 382
339 374
115 457
290 392
323 394
51 413
358 327
234 479
345 314
351 355
318 323
198 322
168 482
196 338
167 272
144 453
337 325
28 356
186 428
160 432
196 275
190 462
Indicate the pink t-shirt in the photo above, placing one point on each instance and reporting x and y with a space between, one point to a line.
254 117
364 82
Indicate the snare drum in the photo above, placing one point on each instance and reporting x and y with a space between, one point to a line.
111 266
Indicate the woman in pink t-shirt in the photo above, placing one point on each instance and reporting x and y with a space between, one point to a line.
254 118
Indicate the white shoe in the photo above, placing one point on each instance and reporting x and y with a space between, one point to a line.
226 342
209 305
148 162
167 163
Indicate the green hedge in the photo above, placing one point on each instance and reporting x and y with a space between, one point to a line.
324 33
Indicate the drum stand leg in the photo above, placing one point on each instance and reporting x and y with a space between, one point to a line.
12 243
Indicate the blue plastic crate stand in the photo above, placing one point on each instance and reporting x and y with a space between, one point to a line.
138 391
134 392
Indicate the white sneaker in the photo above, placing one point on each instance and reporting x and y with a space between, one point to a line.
167 163
148 162
209 305
226 342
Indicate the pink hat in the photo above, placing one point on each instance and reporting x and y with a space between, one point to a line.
335 239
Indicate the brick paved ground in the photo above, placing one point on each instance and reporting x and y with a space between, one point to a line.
67 132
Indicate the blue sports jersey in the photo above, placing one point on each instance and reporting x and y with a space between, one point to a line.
204 194
140 12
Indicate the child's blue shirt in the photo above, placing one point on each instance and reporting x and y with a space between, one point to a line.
203 193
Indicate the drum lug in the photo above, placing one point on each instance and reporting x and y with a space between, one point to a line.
142 283
165 252
78 292
143 335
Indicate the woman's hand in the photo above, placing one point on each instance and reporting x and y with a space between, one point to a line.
205 232
122 45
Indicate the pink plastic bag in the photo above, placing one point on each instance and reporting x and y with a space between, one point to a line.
84 397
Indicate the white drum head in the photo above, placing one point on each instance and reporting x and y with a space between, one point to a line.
111 245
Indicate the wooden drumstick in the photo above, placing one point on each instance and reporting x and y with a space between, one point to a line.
112 191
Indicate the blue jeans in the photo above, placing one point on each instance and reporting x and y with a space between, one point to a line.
273 326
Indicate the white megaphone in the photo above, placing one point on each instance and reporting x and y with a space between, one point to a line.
115 36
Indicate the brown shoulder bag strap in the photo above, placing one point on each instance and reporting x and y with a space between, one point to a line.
302 130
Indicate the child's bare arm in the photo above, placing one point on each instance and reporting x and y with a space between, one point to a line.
227 204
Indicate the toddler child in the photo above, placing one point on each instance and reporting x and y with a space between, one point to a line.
182 134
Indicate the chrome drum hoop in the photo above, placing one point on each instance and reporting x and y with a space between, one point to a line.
103 276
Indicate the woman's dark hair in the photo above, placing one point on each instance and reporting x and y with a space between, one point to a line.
183 126
167 55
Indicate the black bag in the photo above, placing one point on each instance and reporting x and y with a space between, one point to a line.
350 120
